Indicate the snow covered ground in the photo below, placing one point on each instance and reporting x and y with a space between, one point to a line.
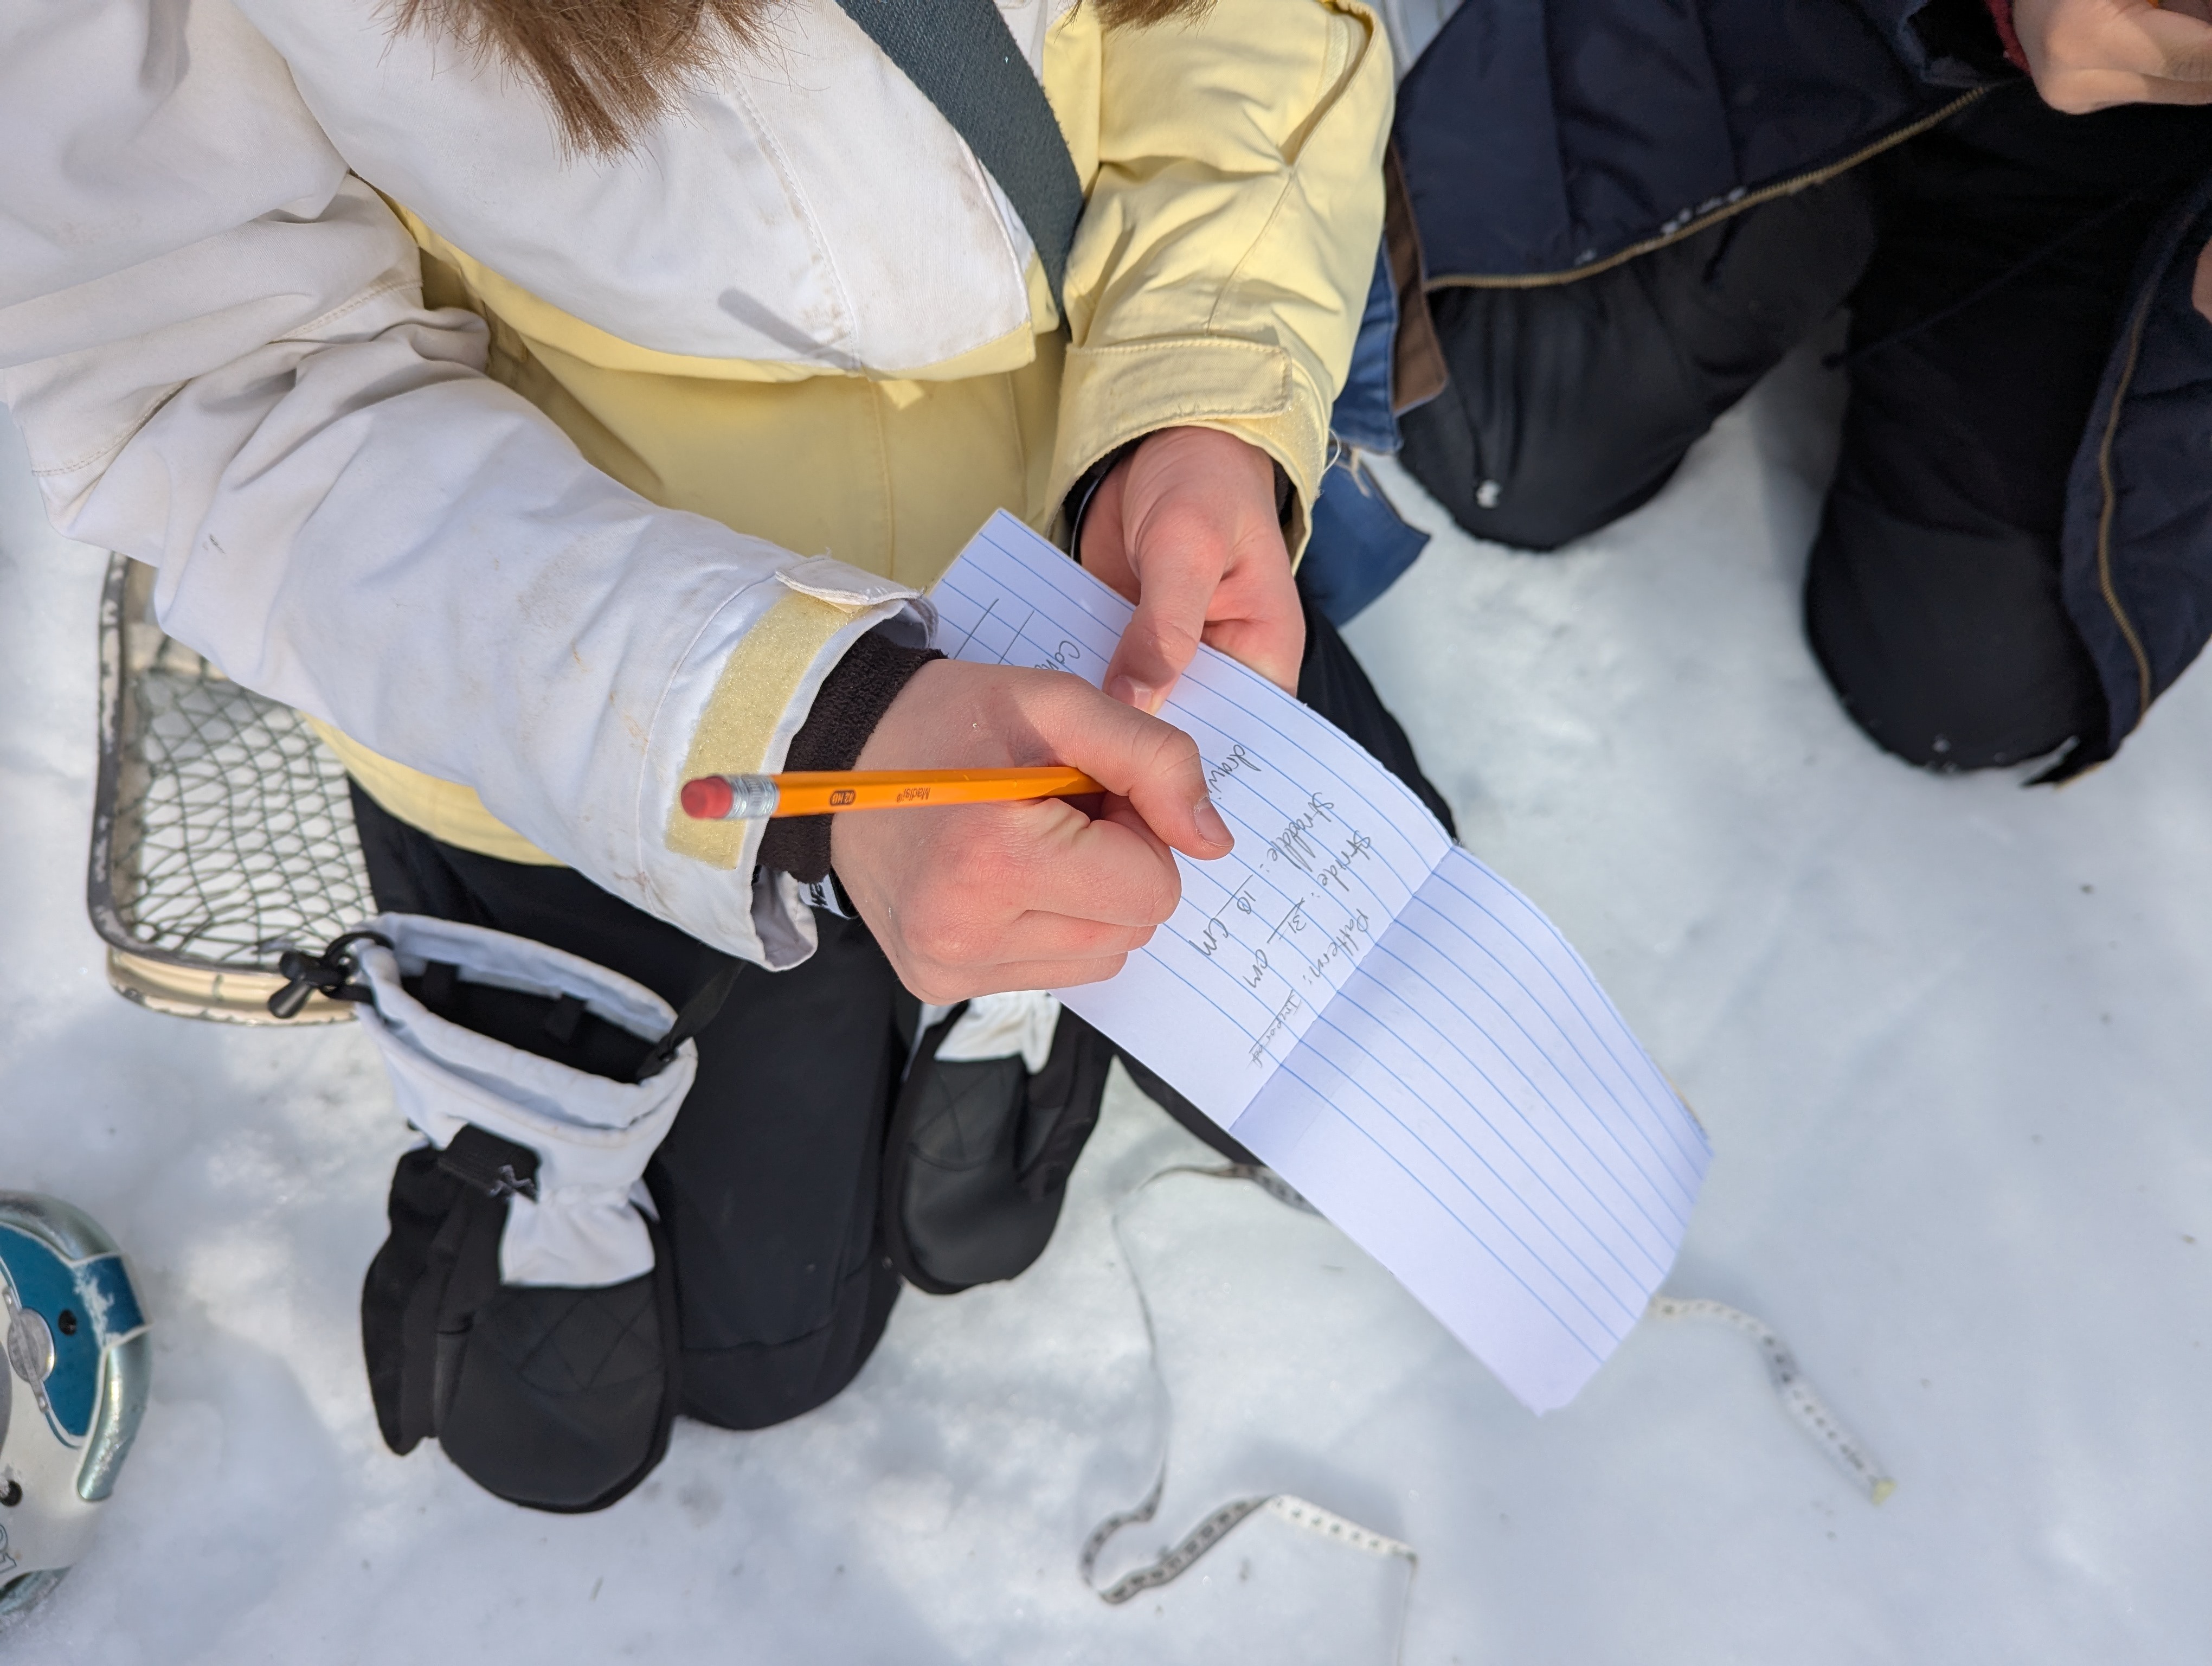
1950 1038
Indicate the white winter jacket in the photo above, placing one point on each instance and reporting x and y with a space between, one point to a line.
213 336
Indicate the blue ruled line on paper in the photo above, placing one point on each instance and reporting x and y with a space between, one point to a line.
1410 1042
1360 1083
1454 1216
1658 1267
1598 1034
1680 1219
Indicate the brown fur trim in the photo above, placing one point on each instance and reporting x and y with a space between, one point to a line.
611 68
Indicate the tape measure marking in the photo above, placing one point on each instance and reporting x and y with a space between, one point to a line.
1177 1560
1799 1397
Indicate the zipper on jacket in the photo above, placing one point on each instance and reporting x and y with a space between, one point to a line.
2110 505
1736 202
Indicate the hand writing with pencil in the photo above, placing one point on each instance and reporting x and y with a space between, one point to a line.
968 900
972 899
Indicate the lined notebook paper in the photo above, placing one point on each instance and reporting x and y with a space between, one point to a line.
1397 1031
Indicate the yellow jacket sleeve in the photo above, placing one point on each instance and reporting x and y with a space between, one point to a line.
1236 207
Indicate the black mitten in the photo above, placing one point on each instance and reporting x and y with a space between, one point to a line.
553 1396
979 1153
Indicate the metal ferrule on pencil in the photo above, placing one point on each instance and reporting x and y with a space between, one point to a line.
752 798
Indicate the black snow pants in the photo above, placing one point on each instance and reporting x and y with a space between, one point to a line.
1985 264
783 1187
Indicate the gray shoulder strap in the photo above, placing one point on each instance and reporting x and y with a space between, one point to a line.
961 55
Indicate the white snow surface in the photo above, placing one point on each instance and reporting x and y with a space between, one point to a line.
1950 1036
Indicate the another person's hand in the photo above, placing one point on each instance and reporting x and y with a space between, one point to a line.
971 899
1185 526
2091 54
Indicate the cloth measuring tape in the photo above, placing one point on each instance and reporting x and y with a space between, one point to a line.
1799 1398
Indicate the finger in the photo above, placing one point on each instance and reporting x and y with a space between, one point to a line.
1057 974
1039 936
1106 871
2195 90
2179 44
1051 943
1272 639
1090 939
1002 891
1178 567
2084 92
1049 859
959 958
2149 43
1154 765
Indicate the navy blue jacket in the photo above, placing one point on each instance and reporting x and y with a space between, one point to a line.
1545 139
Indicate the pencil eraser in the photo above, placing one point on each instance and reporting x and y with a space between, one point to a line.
708 799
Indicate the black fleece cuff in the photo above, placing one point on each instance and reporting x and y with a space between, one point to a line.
852 700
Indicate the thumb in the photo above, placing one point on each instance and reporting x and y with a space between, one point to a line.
1134 756
1163 634
2180 41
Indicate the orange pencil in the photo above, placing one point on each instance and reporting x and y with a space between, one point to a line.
815 792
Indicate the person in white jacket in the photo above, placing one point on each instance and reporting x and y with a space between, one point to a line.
556 404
